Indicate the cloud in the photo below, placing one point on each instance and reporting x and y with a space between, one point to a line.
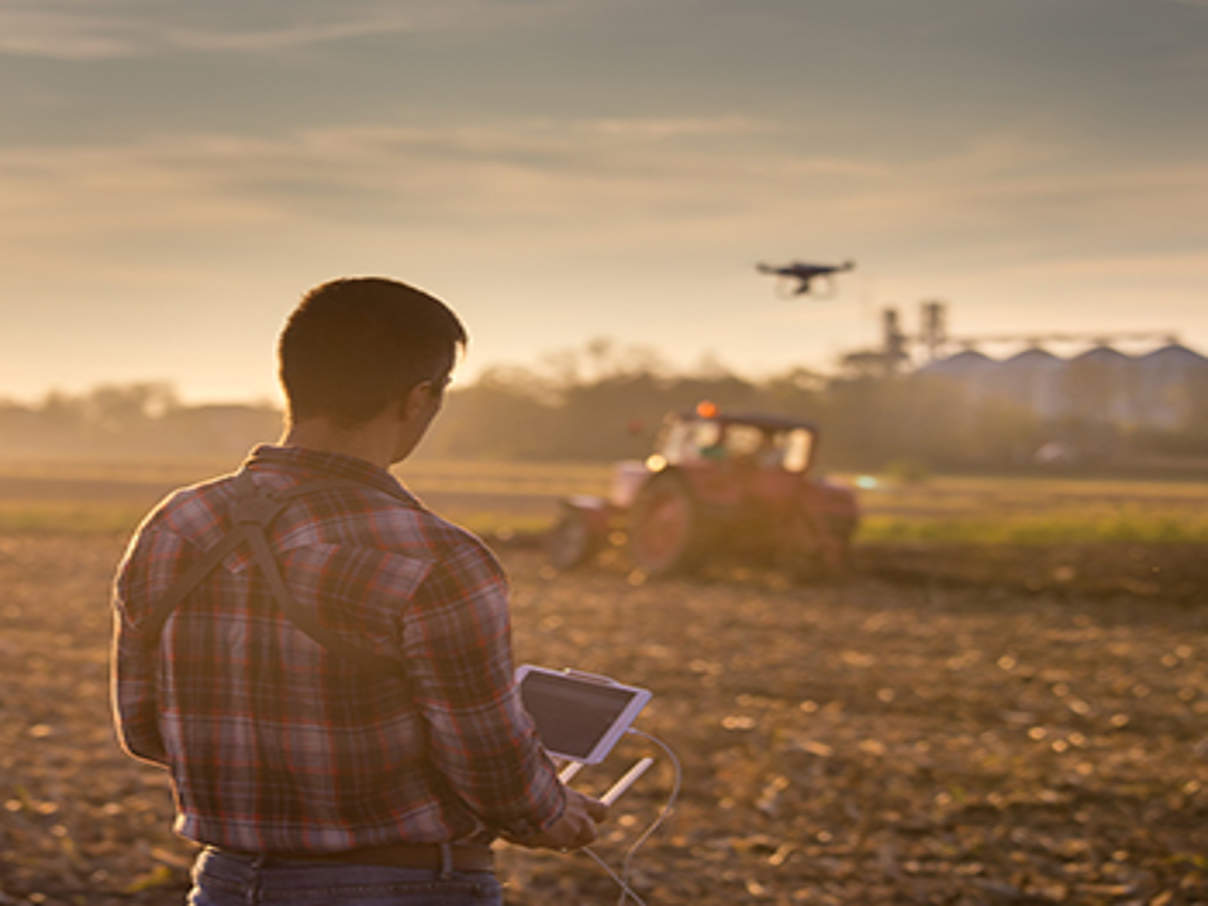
644 186
607 174
111 29
293 35
676 127
65 35
1121 268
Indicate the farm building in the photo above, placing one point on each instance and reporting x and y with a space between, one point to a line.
1158 389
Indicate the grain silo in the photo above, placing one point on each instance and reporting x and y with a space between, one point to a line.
1033 378
1168 382
1098 385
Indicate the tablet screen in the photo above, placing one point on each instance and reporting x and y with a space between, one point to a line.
572 715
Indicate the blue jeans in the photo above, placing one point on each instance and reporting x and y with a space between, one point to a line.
222 879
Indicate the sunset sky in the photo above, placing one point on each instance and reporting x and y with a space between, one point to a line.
174 176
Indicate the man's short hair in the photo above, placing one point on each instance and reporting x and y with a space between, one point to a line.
354 346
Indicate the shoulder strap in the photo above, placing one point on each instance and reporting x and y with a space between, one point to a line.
253 511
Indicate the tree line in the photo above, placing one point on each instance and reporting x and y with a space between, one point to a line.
604 403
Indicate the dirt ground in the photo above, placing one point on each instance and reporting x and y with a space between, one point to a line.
1170 573
942 727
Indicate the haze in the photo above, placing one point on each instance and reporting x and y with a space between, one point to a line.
173 176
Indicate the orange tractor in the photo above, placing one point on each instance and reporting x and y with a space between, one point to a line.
718 484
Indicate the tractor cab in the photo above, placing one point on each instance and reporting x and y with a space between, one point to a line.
706 436
745 453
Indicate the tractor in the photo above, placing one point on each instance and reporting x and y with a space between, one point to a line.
717 484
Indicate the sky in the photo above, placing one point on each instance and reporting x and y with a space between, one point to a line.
174 176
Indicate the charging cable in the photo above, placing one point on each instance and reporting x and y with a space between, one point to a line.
626 890
622 879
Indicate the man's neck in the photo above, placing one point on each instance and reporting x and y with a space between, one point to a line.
369 441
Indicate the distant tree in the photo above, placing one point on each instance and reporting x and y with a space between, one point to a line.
116 408
504 415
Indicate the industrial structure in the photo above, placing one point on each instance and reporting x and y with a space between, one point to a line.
1162 387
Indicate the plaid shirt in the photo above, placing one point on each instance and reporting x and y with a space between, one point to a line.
275 744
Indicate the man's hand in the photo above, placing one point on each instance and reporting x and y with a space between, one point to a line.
576 827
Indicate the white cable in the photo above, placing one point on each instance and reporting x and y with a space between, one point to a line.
622 880
663 815
626 890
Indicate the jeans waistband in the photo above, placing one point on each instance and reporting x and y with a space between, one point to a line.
438 857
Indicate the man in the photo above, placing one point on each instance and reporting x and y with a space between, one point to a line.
331 688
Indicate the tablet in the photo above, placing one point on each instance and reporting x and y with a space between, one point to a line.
579 716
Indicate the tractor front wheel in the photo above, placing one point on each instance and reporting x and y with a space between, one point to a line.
664 533
571 541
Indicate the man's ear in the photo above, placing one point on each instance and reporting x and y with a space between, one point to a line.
415 400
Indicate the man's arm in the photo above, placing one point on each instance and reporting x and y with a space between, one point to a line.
132 684
133 663
457 641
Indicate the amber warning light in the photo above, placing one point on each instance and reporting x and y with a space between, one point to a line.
706 409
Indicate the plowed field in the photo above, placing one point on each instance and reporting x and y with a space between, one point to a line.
946 730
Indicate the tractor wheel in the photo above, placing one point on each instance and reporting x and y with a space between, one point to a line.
664 530
571 541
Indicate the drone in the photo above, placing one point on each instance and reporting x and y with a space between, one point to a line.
805 274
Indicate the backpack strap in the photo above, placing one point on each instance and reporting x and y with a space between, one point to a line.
253 511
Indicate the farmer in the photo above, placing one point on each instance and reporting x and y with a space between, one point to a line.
331 689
